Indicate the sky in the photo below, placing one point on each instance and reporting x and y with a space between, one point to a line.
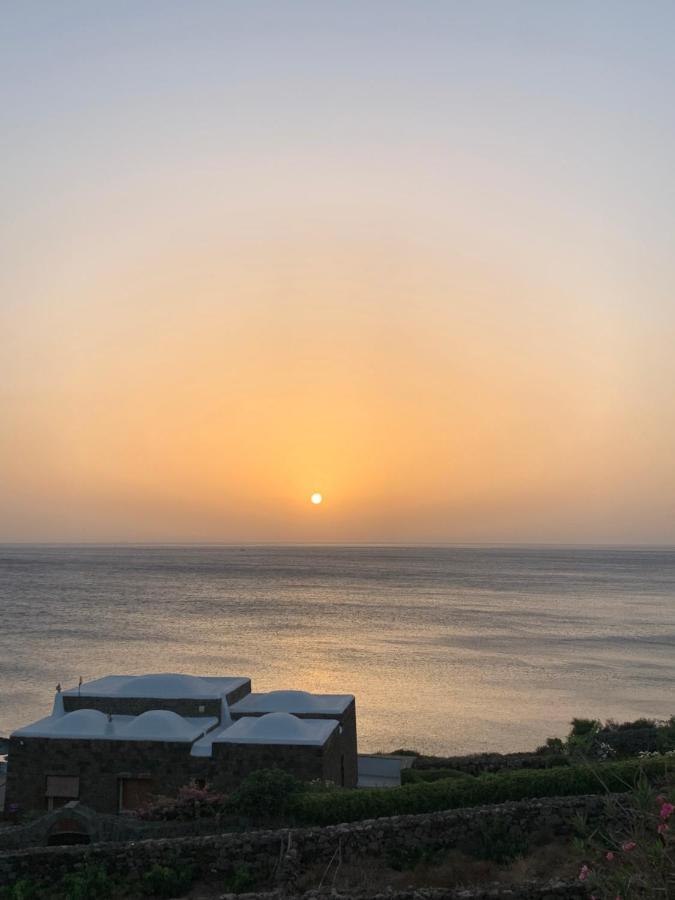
416 256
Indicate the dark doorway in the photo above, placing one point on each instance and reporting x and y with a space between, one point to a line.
67 832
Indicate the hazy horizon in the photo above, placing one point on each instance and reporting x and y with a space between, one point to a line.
415 257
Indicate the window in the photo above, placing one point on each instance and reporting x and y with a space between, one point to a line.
61 789
133 793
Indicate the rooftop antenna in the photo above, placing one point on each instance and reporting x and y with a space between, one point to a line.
58 688
79 686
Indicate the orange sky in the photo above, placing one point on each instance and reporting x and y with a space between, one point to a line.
456 327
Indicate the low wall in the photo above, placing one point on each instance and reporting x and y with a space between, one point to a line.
553 890
287 852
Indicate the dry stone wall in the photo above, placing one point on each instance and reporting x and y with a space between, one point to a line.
525 891
288 852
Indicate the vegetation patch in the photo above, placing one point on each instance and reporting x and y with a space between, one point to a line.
334 807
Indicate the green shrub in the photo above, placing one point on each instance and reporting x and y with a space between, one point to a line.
494 841
553 745
634 854
166 881
414 776
665 736
240 881
584 727
265 795
350 806
90 883
23 889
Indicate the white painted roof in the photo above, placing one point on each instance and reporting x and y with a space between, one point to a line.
90 724
277 728
162 686
297 702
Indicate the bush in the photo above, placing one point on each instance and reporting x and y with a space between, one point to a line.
90 883
191 803
265 795
634 855
665 736
584 727
351 806
24 889
240 881
553 745
166 881
414 776
494 841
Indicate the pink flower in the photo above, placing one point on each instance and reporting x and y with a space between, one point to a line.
628 846
584 873
663 827
667 810
609 855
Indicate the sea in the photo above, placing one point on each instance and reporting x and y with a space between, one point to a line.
448 649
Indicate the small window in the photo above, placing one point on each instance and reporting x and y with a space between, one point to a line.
61 789
134 793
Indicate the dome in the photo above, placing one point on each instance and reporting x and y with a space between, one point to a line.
285 700
276 725
159 725
166 686
80 723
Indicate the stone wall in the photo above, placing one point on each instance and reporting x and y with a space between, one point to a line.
292 850
99 765
552 890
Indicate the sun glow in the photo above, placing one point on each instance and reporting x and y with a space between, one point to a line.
316 499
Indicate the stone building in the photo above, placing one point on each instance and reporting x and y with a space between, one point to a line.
114 742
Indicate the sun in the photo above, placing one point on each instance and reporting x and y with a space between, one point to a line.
316 499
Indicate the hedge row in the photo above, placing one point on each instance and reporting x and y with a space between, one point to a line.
491 762
415 776
334 807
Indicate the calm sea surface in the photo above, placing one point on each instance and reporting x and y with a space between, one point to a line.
447 649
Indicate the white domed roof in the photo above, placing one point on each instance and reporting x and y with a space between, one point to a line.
165 686
277 728
80 723
276 725
159 725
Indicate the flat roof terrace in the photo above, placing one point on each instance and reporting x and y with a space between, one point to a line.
162 686
91 724
298 703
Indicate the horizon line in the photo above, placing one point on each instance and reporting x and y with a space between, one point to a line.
459 544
